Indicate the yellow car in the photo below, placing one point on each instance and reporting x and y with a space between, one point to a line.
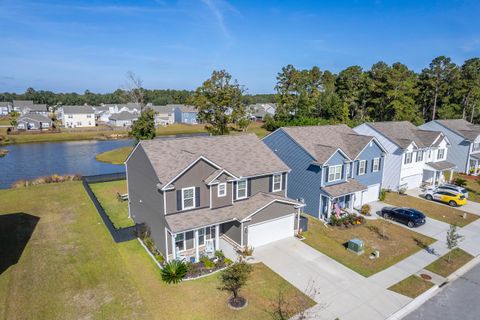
451 198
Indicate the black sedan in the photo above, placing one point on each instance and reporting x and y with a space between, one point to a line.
411 217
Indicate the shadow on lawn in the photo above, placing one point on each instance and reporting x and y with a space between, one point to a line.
15 232
425 247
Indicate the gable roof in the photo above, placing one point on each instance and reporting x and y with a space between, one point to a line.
241 154
184 108
124 115
22 103
4 104
35 117
462 127
38 107
163 109
77 109
404 133
323 141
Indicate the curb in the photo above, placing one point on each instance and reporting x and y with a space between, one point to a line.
421 299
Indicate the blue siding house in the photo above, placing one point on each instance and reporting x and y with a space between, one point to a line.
464 138
331 167
185 114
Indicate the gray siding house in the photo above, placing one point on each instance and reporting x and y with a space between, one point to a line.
332 167
201 193
34 121
465 143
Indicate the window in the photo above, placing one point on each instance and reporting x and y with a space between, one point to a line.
440 154
429 154
334 173
376 164
180 241
277 182
242 189
70 116
188 198
419 156
476 147
362 166
408 157
201 237
222 189
348 169
89 115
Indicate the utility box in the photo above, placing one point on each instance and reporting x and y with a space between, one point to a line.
355 246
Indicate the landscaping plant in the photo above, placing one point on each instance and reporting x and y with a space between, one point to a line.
453 238
366 209
233 279
174 271
460 182
383 195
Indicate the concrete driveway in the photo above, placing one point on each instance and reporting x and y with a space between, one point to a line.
470 207
342 292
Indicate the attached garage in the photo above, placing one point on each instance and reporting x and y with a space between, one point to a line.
411 182
272 230
371 194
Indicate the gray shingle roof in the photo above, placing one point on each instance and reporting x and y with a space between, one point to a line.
36 117
77 109
348 187
38 107
22 103
403 133
240 210
462 127
184 108
322 141
475 156
162 109
441 165
241 154
124 115
4 104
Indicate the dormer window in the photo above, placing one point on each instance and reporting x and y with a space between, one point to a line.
277 182
188 198
408 157
441 154
222 190
242 189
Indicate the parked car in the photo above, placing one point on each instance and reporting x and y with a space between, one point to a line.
452 187
452 198
411 217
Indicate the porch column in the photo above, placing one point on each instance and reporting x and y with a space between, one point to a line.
217 237
434 178
197 253
329 207
451 176
174 255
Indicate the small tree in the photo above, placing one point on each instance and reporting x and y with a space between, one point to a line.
233 279
283 307
243 124
13 118
453 238
144 127
384 223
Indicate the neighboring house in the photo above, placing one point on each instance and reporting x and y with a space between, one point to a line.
131 107
333 167
464 138
414 156
22 106
185 114
77 116
38 109
5 108
258 111
33 121
102 113
123 119
202 194
164 115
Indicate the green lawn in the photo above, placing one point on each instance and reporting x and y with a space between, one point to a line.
72 269
431 209
117 211
331 241
473 186
441 266
412 286
4 121
115 156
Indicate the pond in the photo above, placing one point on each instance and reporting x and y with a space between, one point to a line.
32 160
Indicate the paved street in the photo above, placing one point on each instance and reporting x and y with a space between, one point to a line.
458 300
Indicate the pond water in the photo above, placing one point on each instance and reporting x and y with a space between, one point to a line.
32 160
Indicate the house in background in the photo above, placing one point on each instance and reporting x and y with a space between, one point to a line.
39 109
414 156
102 113
464 140
5 108
22 106
123 119
258 111
331 166
201 194
164 115
185 114
77 116
131 107
34 121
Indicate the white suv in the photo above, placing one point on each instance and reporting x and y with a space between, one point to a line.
452 187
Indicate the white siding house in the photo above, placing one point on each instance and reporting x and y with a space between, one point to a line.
123 119
414 157
77 116
164 115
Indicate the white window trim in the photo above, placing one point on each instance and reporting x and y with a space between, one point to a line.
183 199
224 184
204 236
280 182
376 165
246 189
411 158
360 172
335 172
443 154
418 153
348 170
184 241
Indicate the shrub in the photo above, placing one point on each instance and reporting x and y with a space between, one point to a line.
219 254
54 178
174 271
460 182
248 251
159 257
207 262
402 190
383 195
227 261
366 209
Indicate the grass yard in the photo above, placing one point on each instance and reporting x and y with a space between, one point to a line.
4 121
412 286
70 268
117 211
115 156
332 242
431 209
442 267
473 186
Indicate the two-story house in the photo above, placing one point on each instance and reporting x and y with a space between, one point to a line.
77 116
220 192
5 108
332 167
414 156
464 138
185 114
164 115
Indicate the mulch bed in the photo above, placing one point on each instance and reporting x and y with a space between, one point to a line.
237 303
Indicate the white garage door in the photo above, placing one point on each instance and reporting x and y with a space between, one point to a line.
371 194
271 230
411 182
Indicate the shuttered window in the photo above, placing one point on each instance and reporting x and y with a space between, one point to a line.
188 198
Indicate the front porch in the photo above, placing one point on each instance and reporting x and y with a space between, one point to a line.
340 198
434 173
474 165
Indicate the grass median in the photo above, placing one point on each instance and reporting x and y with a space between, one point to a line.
412 286
445 267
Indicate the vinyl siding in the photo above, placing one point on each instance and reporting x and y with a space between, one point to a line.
370 152
304 178
218 202
336 159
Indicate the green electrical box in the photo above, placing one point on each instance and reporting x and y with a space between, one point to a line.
355 246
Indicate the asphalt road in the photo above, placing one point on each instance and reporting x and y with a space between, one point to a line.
458 300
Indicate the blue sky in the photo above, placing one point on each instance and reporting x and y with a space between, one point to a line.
78 45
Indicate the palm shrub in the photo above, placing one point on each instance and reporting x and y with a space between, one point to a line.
460 182
174 271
